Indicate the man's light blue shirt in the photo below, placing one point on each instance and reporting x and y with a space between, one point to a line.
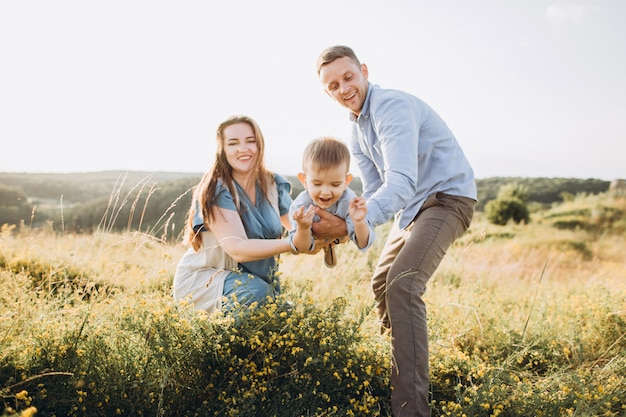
405 153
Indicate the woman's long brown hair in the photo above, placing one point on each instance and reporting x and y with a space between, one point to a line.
205 190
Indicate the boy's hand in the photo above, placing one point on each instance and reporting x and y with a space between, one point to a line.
358 209
304 218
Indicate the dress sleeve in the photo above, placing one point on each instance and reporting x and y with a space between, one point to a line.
284 193
223 197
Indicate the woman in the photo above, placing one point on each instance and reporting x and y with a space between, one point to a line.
235 223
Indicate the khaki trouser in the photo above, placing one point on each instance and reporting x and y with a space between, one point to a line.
408 260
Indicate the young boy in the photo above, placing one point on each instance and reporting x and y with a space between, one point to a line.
325 177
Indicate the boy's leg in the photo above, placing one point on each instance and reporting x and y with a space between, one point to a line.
330 256
330 259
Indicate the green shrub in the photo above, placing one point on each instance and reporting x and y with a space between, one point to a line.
501 211
160 359
509 205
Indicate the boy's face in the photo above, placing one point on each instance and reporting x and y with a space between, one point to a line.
325 186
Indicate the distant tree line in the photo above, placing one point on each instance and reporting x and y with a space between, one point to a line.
544 191
157 203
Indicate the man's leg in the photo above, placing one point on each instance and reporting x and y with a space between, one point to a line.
442 220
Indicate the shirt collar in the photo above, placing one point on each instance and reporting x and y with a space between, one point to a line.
366 105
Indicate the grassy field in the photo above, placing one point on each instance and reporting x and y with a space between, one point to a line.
525 320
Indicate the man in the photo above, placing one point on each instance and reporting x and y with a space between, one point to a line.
412 168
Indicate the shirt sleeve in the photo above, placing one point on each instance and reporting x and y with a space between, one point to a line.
397 126
370 178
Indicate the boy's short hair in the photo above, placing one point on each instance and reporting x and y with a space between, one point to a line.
325 152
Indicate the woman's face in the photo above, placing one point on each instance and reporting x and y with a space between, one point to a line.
240 147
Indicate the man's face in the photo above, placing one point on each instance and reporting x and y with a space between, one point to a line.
346 82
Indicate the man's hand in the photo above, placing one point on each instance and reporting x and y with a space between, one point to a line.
329 227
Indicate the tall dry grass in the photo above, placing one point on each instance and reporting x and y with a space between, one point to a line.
524 320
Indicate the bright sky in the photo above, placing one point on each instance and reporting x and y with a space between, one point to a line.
531 88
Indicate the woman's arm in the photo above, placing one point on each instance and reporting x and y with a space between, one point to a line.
284 220
231 235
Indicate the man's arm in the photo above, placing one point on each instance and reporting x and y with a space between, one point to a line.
329 227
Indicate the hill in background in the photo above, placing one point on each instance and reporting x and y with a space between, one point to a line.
157 202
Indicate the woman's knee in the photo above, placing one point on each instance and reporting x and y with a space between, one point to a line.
246 289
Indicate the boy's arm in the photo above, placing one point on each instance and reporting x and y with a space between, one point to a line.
358 214
302 239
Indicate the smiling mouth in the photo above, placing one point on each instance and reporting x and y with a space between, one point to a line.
324 200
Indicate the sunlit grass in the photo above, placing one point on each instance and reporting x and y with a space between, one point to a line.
524 321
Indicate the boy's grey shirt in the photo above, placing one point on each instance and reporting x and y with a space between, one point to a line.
339 209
